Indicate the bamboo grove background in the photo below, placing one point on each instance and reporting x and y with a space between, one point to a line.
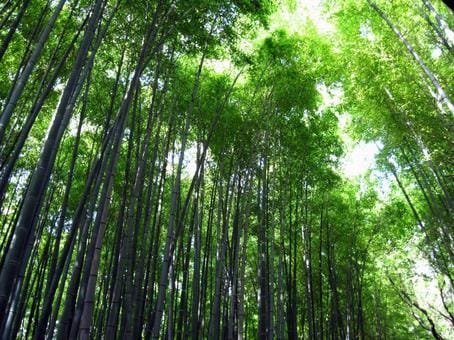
146 194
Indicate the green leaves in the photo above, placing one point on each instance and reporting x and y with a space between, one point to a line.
272 201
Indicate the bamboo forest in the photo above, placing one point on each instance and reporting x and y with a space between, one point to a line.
226 169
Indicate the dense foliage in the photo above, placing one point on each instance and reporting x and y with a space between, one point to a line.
177 169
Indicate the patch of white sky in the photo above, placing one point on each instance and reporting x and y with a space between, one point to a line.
74 124
189 165
436 52
366 32
190 161
294 19
220 66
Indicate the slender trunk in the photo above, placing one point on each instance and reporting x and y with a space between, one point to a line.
170 241
441 96
9 36
41 174
38 103
28 69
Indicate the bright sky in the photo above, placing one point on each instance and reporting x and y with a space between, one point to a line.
359 159
305 10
